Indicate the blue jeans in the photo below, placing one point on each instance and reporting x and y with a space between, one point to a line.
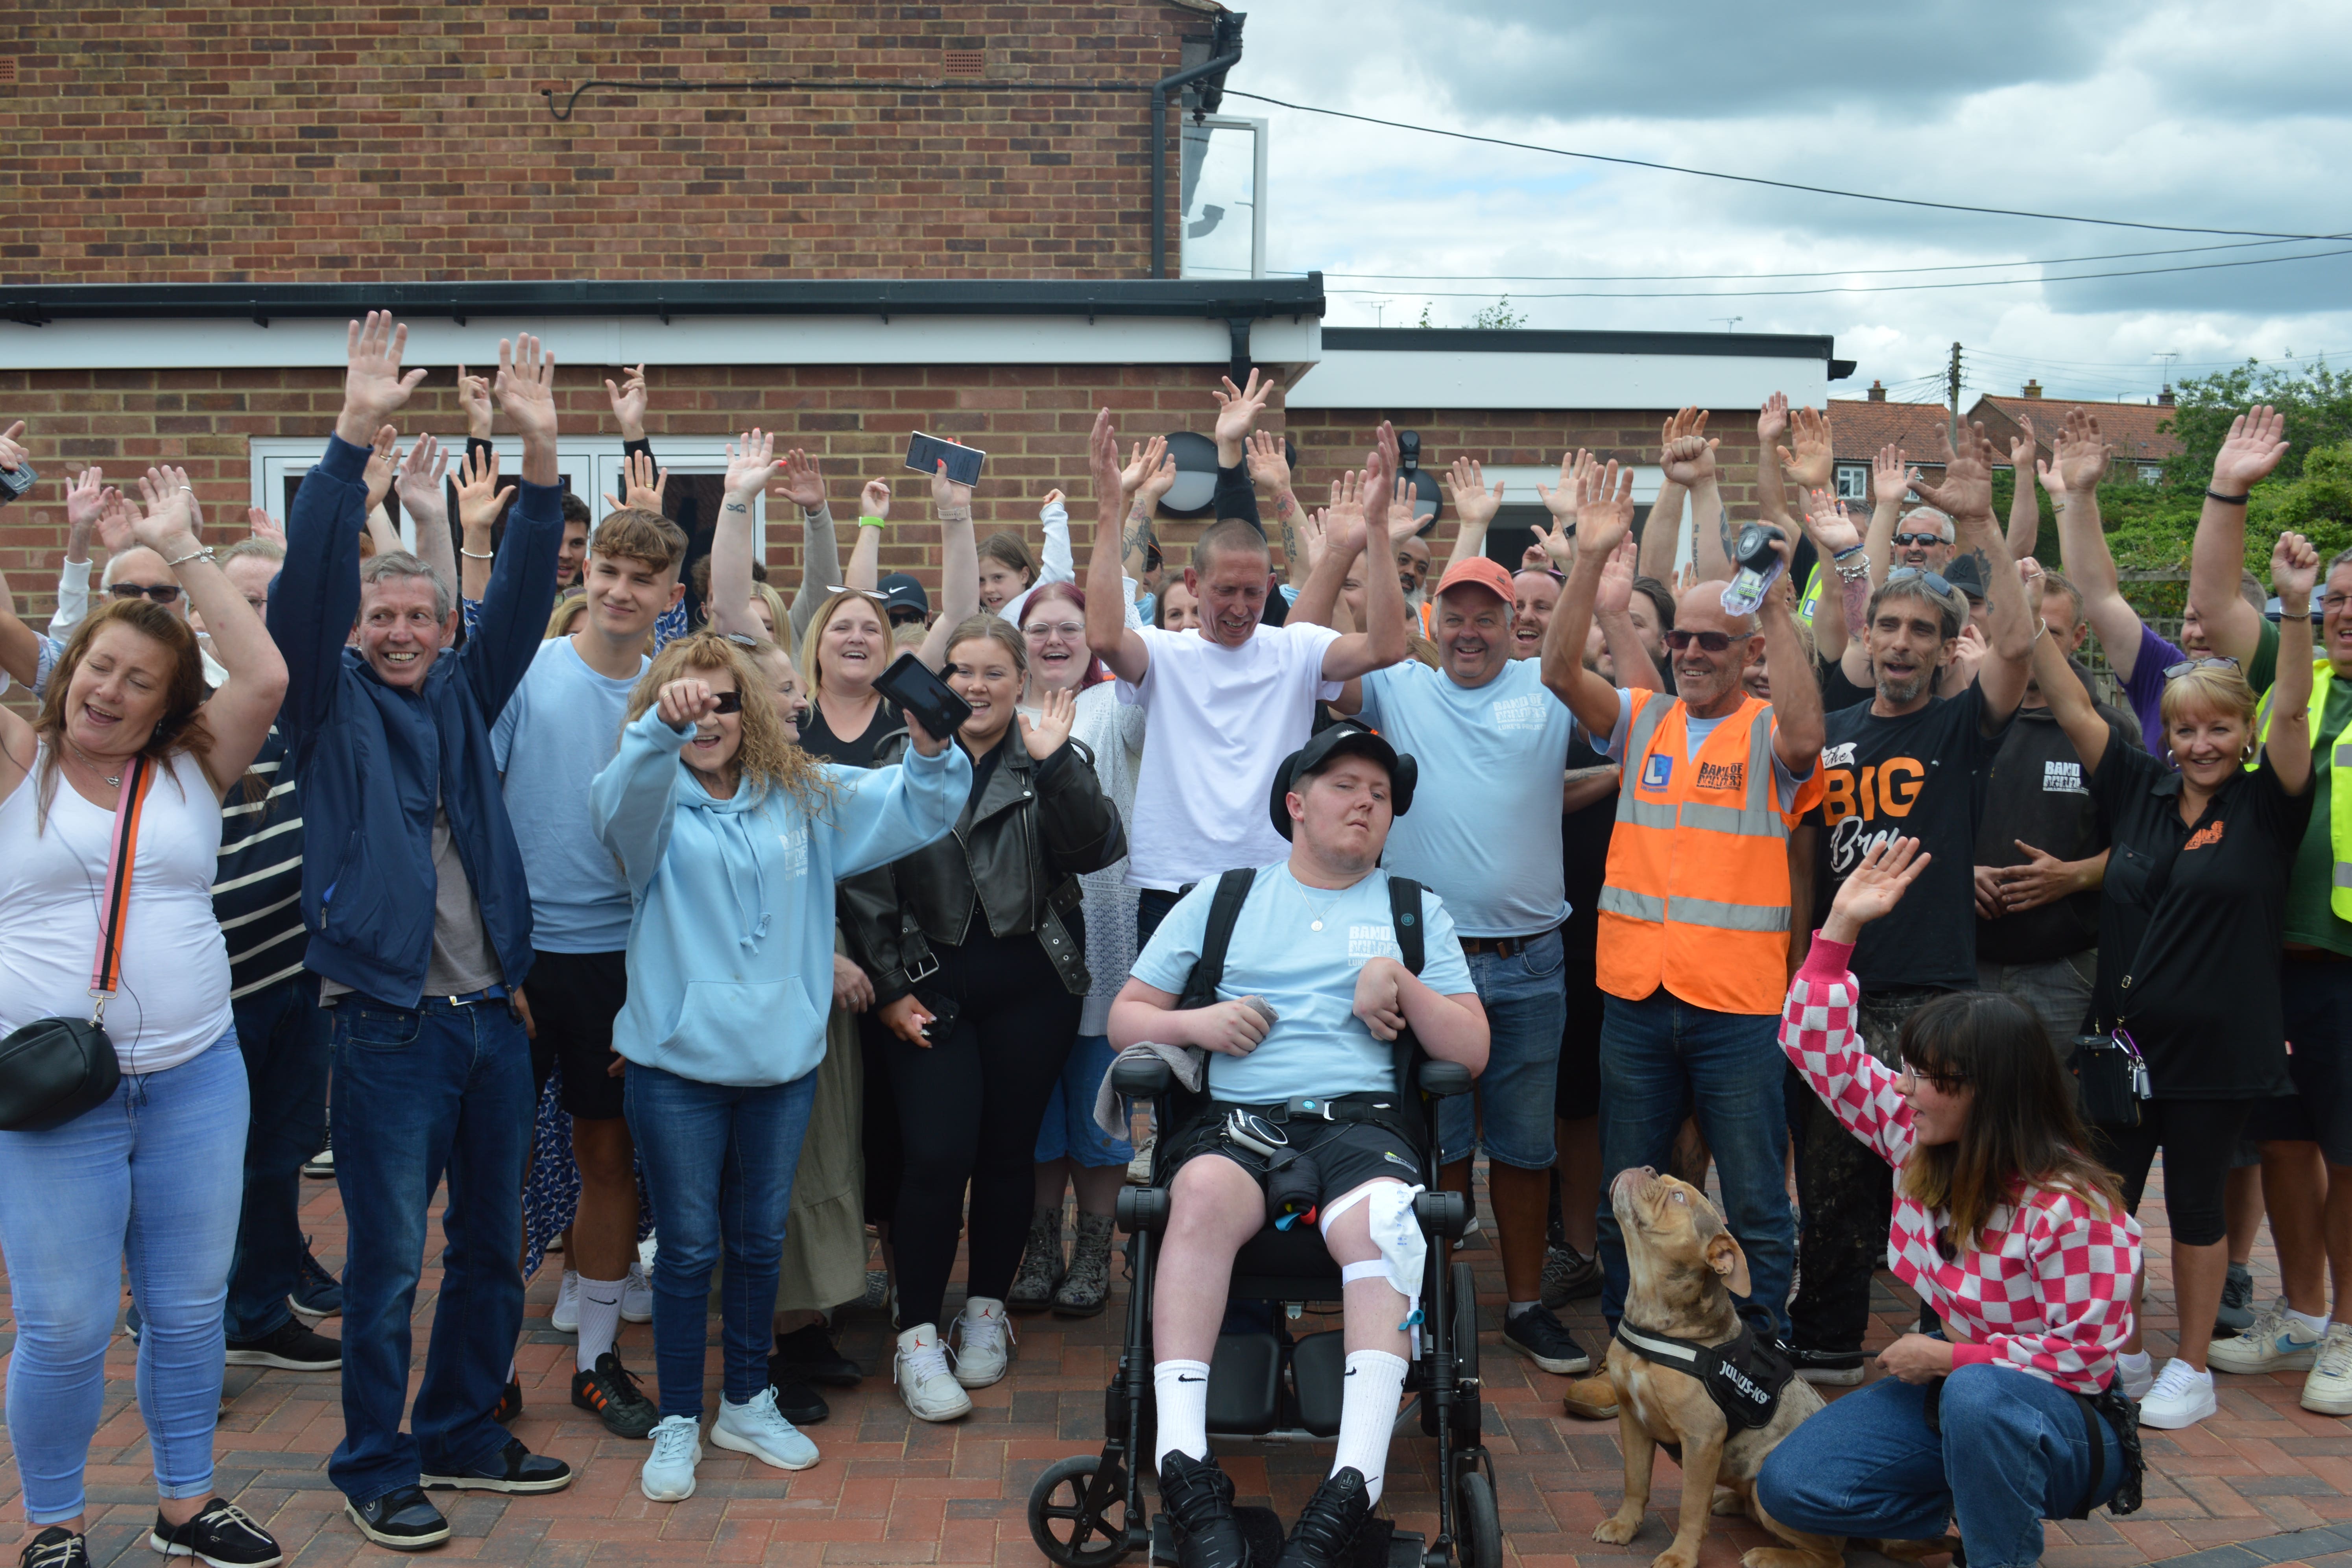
719 1162
1662 1058
151 1175
1069 1129
283 1035
419 1093
1526 998
2012 1452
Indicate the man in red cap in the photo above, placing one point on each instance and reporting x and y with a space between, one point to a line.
1492 743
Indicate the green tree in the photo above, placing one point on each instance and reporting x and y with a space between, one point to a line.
1499 316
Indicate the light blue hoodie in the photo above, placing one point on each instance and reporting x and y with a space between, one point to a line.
730 943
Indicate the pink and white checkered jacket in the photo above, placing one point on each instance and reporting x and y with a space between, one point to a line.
2046 1288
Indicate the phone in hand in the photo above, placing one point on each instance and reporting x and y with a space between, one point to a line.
925 453
944 1012
910 683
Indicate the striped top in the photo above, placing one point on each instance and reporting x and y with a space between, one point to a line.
257 884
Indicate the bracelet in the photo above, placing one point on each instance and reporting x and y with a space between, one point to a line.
477 554
199 553
1851 573
2213 495
1840 554
868 521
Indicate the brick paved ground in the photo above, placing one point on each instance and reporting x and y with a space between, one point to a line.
893 1491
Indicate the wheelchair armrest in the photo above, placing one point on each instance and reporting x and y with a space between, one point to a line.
1143 1208
1142 1078
1445 1079
1445 1214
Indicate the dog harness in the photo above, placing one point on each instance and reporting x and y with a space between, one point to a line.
1744 1376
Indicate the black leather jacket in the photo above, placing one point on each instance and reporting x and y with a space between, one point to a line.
1015 855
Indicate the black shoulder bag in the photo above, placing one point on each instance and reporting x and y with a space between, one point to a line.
56 1068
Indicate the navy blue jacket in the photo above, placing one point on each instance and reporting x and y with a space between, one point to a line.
372 761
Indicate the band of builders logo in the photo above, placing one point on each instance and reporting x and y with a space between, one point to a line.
1723 775
1865 805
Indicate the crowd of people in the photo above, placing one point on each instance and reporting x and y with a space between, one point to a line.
566 862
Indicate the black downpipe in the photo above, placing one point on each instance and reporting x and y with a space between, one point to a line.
1160 91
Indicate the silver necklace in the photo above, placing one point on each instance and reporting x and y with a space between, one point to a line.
1315 920
114 780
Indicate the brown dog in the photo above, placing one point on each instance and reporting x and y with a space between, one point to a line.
1683 1266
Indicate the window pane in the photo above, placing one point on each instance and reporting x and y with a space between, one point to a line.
1218 202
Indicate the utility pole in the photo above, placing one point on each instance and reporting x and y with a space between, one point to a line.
1953 380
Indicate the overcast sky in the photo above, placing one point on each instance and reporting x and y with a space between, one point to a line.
2226 116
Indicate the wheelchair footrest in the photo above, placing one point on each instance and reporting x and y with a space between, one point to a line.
1381 1545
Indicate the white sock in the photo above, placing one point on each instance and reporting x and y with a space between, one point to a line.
1181 1390
600 1318
1515 1308
2312 1328
510 1369
2135 1361
1368 1412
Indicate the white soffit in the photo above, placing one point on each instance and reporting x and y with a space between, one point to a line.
1394 378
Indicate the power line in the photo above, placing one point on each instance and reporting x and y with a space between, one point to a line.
1758 179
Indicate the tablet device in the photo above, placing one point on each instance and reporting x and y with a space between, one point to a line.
910 683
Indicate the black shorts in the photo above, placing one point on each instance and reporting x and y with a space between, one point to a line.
1347 1155
574 998
2316 996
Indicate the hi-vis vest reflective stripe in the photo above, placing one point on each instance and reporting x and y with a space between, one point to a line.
2340 787
1696 895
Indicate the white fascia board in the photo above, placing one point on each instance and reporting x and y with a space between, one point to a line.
911 340
1519 481
1387 378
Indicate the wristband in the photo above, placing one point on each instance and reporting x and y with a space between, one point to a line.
867 520
199 553
1850 573
477 554
2213 495
1850 550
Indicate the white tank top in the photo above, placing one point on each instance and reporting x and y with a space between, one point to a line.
173 1001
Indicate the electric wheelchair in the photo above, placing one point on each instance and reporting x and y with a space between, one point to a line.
1088 1512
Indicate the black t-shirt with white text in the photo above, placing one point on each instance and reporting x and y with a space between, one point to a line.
2035 792
1912 777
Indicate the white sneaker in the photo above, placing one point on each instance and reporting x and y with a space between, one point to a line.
2182 1398
2329 1390
668 1475
637 1296
986 1342
759 1430
2135 1381
566 1318
929 1390
2275 1342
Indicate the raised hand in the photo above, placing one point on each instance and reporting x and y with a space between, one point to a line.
1343 520
2078 457
12 447
1604 510
1832 527
629 403
1891 478
85 498
750 466
1968 651
1159 477
373 383
1534 557
422 473
265 527
1237 414
383 462
1810 465
1269 464
1143 460
169 523
802 482
687 703
1465 487
1690 460
1047 735
1560 500
477 490
1404 511
1102 459
474 400
116 517
949 498
1772 421
874 499
1874 887
2295 568
2256 442
1966 492
642 484
1683 421
1314 529
1554 549
1614 597
526 387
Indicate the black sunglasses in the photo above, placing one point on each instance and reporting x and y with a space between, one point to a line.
161 592
1910 538
1713 642
727 702
1934 579
2174 672
905 618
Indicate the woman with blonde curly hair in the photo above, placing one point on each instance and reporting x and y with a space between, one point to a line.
731 838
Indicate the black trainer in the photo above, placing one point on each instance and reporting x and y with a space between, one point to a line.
612 1395
56 1547
809 1355
1325 1535
223 1534
1568 1276
317 1293
404 1520
518 1470
1200 1496
509 1404
1542 1339
289 1346
796 1401
1830 1368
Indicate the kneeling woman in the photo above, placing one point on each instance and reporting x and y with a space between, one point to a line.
2003 1224
731 838
979 966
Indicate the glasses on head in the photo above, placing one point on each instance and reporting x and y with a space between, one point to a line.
1067 630
727 702
161 592
1934 579
1713 642
2219 661
1912 1075
1911 538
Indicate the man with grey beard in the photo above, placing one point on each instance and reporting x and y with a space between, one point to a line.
1903 764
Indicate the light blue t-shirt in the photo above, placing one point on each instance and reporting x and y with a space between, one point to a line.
559 730
1318 1045
1483 831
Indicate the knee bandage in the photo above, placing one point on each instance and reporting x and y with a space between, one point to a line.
1405 1251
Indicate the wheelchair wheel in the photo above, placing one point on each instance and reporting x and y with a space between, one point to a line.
1477 1522
1062 1524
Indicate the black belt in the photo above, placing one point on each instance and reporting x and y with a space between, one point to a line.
1368 1107
1501 947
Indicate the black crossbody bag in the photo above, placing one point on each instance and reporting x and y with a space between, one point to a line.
56 1068
2110 1074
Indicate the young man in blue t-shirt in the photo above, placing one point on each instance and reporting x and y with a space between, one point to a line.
1313 992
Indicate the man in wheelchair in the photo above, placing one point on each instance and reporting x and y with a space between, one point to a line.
1301 1088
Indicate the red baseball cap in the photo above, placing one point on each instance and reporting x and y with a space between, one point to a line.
1479 572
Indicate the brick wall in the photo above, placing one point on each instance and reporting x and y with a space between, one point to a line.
361 141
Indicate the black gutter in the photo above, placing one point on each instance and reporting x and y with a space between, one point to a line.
1225 300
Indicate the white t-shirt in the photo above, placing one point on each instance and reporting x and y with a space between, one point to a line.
1221 720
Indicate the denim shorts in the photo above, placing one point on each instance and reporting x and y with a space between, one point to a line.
1525 999
1069 1126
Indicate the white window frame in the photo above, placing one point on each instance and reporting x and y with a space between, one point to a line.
1258 130
1853 481
594 461
2151 473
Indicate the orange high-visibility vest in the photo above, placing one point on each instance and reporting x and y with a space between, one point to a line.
1697 895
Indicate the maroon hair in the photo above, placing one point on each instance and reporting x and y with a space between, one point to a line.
1094 673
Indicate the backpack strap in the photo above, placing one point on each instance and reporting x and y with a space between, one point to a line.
1225 912
1404 915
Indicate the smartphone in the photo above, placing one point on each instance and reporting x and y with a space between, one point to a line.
944 1010
924 453
911 684
15 482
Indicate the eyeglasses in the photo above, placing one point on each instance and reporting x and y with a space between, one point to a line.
2174 672
1067 630
1911 1077
1912 539
161 592
1934 579
727 702
2329 603
1713 642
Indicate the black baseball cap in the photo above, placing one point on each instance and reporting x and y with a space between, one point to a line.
1345 739
900 592
1966 575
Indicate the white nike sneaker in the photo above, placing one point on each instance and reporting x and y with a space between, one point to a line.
984 1347
929 1390
566 1318
2182 1398
2329 1390
637 1296
758 1429
2275 1342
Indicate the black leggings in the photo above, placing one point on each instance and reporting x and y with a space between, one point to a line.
969 1109
2198 1137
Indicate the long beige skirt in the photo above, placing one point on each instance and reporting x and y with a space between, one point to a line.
825 1235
